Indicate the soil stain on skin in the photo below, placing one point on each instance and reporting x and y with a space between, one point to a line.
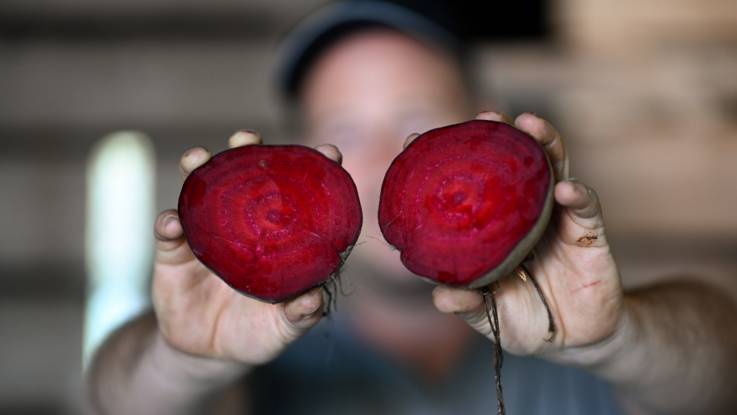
587 240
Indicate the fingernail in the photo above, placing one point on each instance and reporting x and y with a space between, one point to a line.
169 220
489 116
410 138
331 151
189 154
246 134
310 305
243 137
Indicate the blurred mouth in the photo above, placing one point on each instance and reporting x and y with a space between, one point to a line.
405 287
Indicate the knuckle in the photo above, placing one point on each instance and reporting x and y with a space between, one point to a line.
189 153
284 330
163 219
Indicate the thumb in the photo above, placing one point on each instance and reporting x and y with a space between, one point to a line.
171 246
301 313
583 223
466 304
524 322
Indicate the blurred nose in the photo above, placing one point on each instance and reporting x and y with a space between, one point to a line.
387 145
382 147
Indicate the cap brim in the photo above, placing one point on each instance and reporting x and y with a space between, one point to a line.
317 31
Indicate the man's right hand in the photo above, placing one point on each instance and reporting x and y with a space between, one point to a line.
201 315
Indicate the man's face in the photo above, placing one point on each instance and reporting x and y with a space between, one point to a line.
366 94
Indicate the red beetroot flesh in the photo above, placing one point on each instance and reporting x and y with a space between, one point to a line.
462 199
271 221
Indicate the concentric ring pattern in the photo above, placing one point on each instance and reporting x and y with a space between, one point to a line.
271 221
459 199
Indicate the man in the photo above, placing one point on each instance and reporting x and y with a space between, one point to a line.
364 76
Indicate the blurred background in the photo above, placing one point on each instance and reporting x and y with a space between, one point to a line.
644 91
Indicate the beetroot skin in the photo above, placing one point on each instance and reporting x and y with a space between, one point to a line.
466 203
271 221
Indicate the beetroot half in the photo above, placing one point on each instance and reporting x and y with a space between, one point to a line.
464 204
271 221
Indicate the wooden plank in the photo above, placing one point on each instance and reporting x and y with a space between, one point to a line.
41 358
655 135
129 84
43 220
65 8
82 19
631 27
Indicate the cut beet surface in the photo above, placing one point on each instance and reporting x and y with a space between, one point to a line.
271 221
466 203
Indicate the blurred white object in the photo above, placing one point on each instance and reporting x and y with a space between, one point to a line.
119 236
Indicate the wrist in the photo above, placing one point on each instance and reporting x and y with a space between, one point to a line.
159 379
601 357
172 363
184 379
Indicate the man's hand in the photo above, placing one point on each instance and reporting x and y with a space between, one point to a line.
203 335
201 315
572 265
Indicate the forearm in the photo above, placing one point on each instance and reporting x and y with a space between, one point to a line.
675 350
136 371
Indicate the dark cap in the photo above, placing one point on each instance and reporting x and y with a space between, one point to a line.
427 21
